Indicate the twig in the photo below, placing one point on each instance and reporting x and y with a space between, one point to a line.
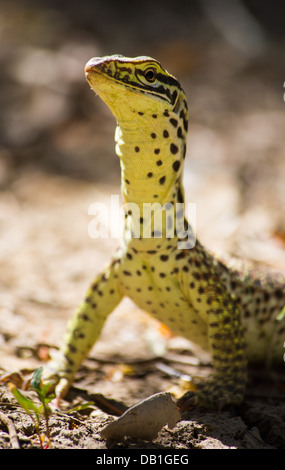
12 430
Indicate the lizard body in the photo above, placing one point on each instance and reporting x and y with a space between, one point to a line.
234 312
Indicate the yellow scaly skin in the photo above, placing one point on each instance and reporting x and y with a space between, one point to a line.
232 312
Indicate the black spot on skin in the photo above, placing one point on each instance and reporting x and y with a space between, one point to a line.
150 174
127 181
153 135
154 116
164 257
185 123
162 180
72 349
129 256
140 113
174 96
166 113
249 290
173 148
179 133
206 276
196 276
174 122
156 151
278 294
162 275
77 334
127 273
180 196
84 316
176 165
139 273
165 133
137 149
159 162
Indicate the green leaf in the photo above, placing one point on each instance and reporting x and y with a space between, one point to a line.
45 389
36 379
49 399
81 407
27 404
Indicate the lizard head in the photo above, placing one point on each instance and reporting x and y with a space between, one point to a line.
134 85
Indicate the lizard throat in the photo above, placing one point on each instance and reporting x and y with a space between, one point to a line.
151 164
151 181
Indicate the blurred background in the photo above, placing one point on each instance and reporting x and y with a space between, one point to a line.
57 149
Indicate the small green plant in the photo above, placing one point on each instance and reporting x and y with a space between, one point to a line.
35 410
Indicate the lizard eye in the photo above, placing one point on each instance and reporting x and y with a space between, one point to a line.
150 75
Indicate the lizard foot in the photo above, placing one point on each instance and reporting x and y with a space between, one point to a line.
215 394
56 374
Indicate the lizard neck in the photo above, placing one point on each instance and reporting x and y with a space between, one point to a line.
152 149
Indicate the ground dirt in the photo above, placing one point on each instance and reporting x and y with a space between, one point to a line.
57 158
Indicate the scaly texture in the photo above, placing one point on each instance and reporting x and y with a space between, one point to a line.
234 312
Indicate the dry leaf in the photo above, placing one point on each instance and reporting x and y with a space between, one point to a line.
144 420
14 378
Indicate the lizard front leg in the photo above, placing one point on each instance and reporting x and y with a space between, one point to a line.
84 329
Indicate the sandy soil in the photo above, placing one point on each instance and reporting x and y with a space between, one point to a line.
57 157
